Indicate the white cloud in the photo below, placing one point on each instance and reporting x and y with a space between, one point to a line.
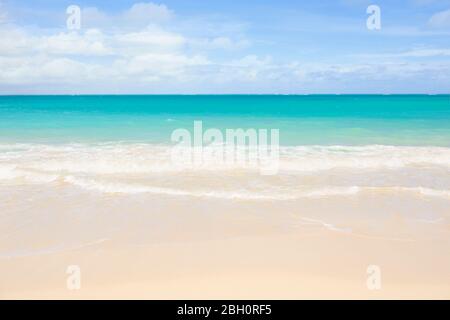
151 54
252 61
159 66
147 53
440 19
148 13
144 50
150 39
421 53
14 41
89 43
42 69
385 71
17 41
138 16
250 68
220 43
414 53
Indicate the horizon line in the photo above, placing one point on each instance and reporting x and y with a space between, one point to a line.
223 94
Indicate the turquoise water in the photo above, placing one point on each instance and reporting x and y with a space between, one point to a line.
416 120
332 146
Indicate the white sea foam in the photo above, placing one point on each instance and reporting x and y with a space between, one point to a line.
320 158
119 158
121 188
107 167
433 193
275 194
9 173
332 191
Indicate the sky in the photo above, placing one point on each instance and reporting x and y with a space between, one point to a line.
224 47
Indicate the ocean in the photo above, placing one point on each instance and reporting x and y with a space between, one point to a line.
91 181
330 145
408 120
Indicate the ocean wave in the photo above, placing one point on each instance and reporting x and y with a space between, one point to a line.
131 168
140 158
12 176
10 173
321 158
122 188
277 194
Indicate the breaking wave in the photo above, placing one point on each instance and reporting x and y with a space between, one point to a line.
108 167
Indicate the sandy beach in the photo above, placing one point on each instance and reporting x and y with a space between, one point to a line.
141 246
225 150
353 204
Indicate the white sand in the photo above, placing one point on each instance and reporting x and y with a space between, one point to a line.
160 247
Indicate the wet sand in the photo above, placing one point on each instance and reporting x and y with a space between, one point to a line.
164 247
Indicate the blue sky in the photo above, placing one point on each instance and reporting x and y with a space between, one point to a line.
207 46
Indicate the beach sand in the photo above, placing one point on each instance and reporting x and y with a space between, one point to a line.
182 247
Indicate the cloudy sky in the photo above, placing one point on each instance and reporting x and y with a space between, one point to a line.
215 46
